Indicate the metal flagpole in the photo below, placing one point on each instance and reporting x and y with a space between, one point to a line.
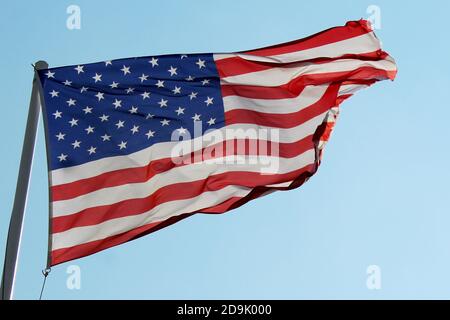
20 199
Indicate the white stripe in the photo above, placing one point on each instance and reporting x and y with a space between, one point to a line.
278 76
186 173
309 96
351 88
162 212
281 184
361 44
163 150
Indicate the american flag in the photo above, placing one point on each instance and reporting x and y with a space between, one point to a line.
117 130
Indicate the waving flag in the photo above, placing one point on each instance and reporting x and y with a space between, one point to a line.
137 144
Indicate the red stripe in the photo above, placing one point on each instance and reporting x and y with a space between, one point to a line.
350 30
327 131
109 179
66 254
293 88
259 92
367 82
288 120
145 173
234 66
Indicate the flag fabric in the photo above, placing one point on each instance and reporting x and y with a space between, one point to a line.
137 144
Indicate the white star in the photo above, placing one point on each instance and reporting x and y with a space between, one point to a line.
54 93
125 70
91 150
108 62
97 77
57 114
60 136
67 83
165 122
183 56
134 129
79 69
193 95
200 63
211 121
180 110
149 116
150 134
173 71
62 157
89 130
154 62
104 118
143 77
83 89
100 95
73 122
209 101
114 85
76 144
160 84
190 78
122 145
181 130
133 110
50 74
196 117
87 110
177 90
120 124
145 95
129 90
163 103
71 102
117 103
105 137
205 82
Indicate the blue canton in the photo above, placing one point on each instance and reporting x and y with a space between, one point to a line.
122 106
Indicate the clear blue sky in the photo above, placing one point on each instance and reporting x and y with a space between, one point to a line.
380 197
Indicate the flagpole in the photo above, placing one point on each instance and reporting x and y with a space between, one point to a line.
20 199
